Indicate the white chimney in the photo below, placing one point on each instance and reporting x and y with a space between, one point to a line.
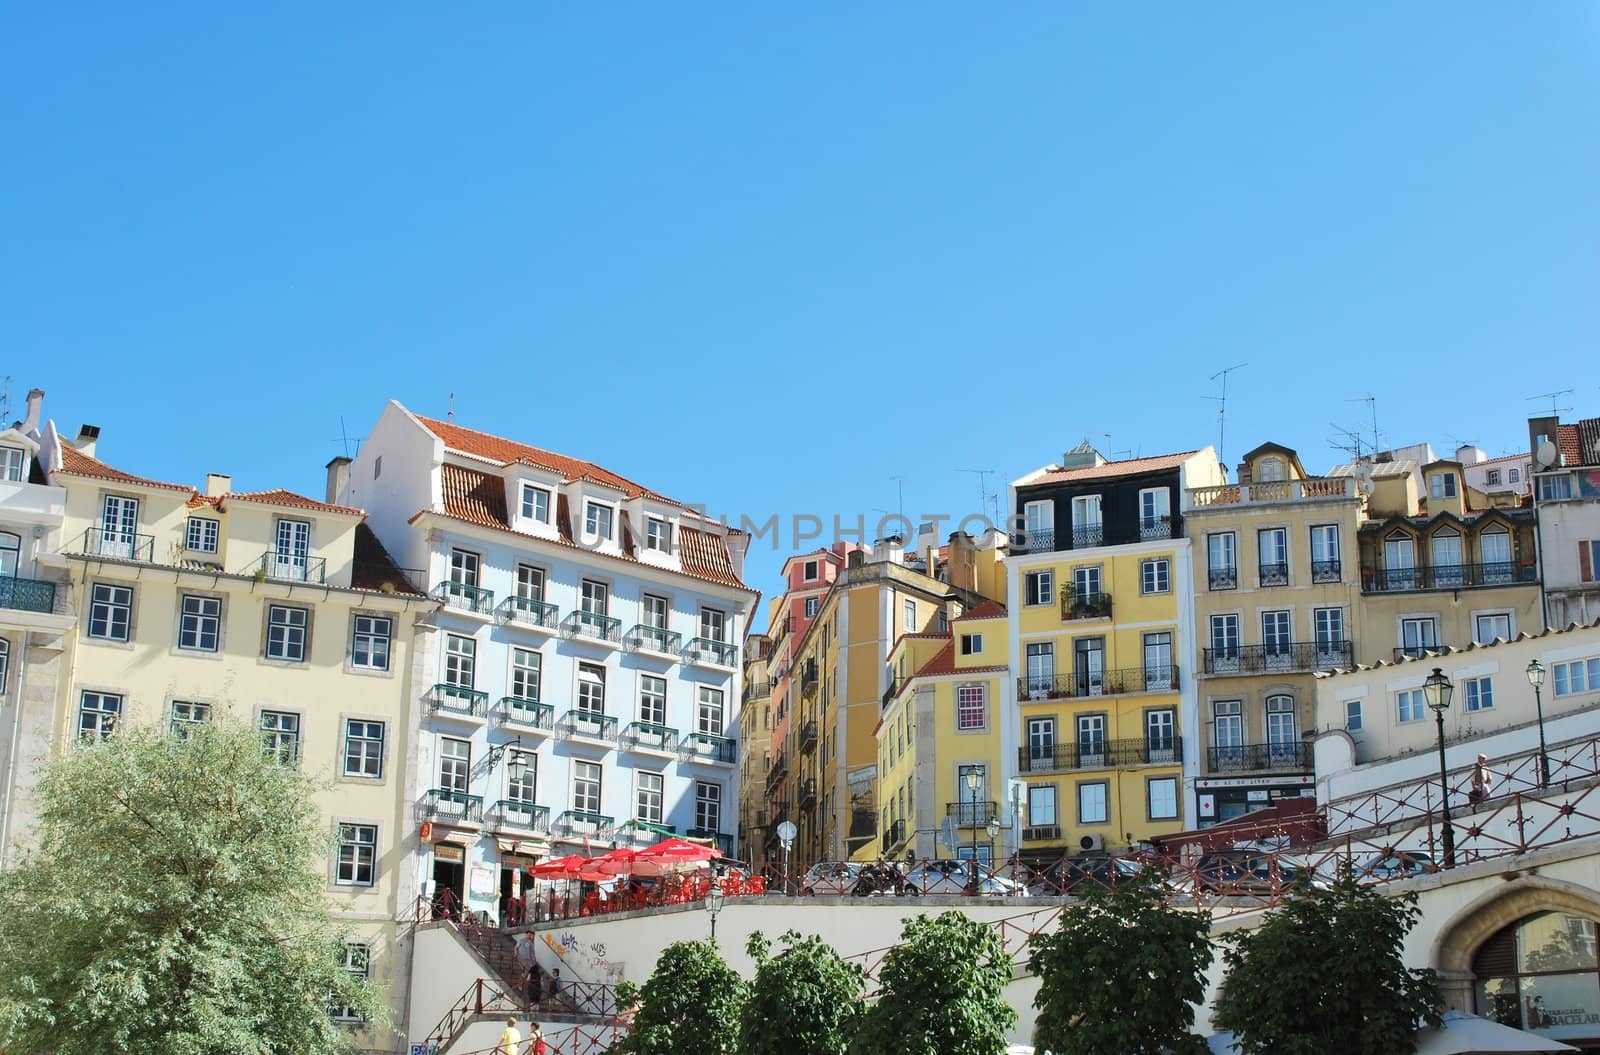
218 484
88 435
338 479
30 424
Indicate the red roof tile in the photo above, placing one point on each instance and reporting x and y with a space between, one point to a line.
373 569
706 555
75 463
1569 444
280 497
945 663
1127 467
986 610
474 496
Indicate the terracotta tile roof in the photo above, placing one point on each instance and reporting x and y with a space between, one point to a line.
280 497
477 497
706 555
945 663
373 568
1126 467
505 452
1589 442
75 463
986 610
1569 444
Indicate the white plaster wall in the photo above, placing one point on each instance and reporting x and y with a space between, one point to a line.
405 486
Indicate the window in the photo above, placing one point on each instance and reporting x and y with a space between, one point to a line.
1325 553
597 520
1042 806
1410 705
1273 548
13 464
291 555
971 712
97 715
595 597
971 644
652 699
1225 637
357 962
118 528
1155 576
455 765
1161 797
1494 550
1480 693
591 689
657 534
1038 587
522 769
530 582
1327 627
5 663
286 632
1283 737
464 567
363 748
1276 639
811 606
358 855
1589 560
1445 554
10 548
280 737
1514 476
1492 477
110 612
1160 735
460 661
709 714
1221 561
1419 635
1041 669
654 610
1086 529
809 571
1086 584
1091 740
941 621
713 624
369 642
527 667
708 806
1092 803
1155 513
1400 562
586 787
535 503
1575 677
908 616
1159 670
1442 485
1039 523
651 793
202 535
1270 470
200 624
1227 730
186 715
1352 716
1555 488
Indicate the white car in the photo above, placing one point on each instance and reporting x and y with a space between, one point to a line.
831 878
952 877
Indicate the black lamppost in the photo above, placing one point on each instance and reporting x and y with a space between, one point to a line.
714 905
1437 690
1536 679
973 778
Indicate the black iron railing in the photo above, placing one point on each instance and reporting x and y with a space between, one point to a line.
1100 754
808 678
894 836
780 767
524 816
650 735
808 737
807 798
710 650
972 814
581 822
291 567
28 595
1153 529
1222 578
594 626
1097 683
1246 757
459 595
458 700
1075 605
115 544
525 611
590 725
1289 656
654 639
1088 536
709 747
1326 571
1446 577
1273 574
756 688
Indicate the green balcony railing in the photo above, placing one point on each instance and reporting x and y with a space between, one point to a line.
582 822
720 840
594 626
115 544
710 748
525 816
466 598
28 595
458 700
588 724
710 650
291 567
525 611
516 710
655 639
445 804
651 735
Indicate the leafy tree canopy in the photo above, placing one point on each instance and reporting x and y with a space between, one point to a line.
807 1000
689 1006
174 906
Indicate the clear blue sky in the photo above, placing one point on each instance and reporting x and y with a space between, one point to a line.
769 260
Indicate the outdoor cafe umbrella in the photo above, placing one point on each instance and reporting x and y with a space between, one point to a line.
559 867
678 852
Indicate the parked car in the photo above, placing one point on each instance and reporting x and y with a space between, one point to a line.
1251 872
1073 875
954 877
835 878
1401 864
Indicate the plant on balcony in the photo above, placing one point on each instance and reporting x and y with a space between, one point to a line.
175 904
689 1006
807 1000
1324 973
1123 973
942 991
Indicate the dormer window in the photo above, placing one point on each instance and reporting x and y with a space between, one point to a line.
810 572
13 464
657 534
535 503
1442 485
202 535
1270 469
597 520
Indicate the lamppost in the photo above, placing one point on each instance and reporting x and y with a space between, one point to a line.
994 833
973 778
1536 679
714 905
1437 690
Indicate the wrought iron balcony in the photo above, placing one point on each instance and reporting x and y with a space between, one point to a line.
1280 658
466 598
972 814
708 747
654 639
1034 541
1324 571
894 836
523 816
710 650
525 611
1075 605
780 767
452 807
1100 754
518 710
591 725
650 736
1084 684
594 626
291 567
115 544
808 679
457 701
1273 574
807 798
1088 536
1446 577
1152 529
756 689
1243 758
896 687
28 595
1223 578
808 738
581 822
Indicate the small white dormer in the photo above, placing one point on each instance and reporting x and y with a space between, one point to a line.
656 531
596 514
17 453
531 500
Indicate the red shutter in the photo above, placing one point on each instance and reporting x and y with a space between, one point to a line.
1586 561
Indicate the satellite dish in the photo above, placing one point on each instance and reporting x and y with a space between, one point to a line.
1546 454
786 833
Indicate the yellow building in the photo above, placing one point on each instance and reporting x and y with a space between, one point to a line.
1277 597
265 608
1100 624
755 750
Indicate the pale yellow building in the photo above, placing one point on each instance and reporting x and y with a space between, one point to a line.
755 750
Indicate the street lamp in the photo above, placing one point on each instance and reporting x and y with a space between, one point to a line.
973 778
994 833
714 905
1437 690
1536 679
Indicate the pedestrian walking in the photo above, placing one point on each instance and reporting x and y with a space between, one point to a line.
539 1047
528 958
555 982
510 1040
1482 780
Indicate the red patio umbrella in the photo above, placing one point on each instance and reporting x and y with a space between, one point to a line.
675 855
559 867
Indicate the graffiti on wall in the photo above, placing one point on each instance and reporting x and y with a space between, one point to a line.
583 961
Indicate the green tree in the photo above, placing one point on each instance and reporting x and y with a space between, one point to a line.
1121 974
807 1000
689 1006
1323 974
174 906
941 991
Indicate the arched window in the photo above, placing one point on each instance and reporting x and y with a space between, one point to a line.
10 551
1444 553
5 663
1494 551
1399 561
1540 974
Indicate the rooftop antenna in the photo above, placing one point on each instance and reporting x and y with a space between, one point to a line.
1372 404
900 490
1222 403
450 414
1348 441
1553 397
1111 450
988 501
5 399
345 438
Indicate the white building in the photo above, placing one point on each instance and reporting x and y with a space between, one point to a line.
1567 500
581 686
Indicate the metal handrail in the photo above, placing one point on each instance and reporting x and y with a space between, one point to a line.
594 625
525 611
1100 754
522 711
651 735
27 595
1286 656
1085 684
1446 576
654 638
466 598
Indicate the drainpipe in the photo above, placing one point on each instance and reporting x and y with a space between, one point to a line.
11 761
1538 534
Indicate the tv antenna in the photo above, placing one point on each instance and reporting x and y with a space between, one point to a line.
1222 403
346 439
5 399
1372 405
1553 397
1110 449
900 491
1348 441
988 501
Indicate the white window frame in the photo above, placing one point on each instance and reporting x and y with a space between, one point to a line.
357 962
652 699
971 644
1039 587
599 519
280 730
1042 814
1478 619
202 535
812 604
98 714
1410 705
1442 485
1567 676
531 581
527 671
535 503
1155 575
357 854
13 464
1167 814
711 711
461 661
584 775
708 805
1353 719
964 707
184 715
364 740
1477 694
658 534
649 804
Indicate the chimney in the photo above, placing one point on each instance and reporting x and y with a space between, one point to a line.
30 425
87 435
963 562
217 485
338 479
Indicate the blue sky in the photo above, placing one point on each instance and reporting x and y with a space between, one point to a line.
769 260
